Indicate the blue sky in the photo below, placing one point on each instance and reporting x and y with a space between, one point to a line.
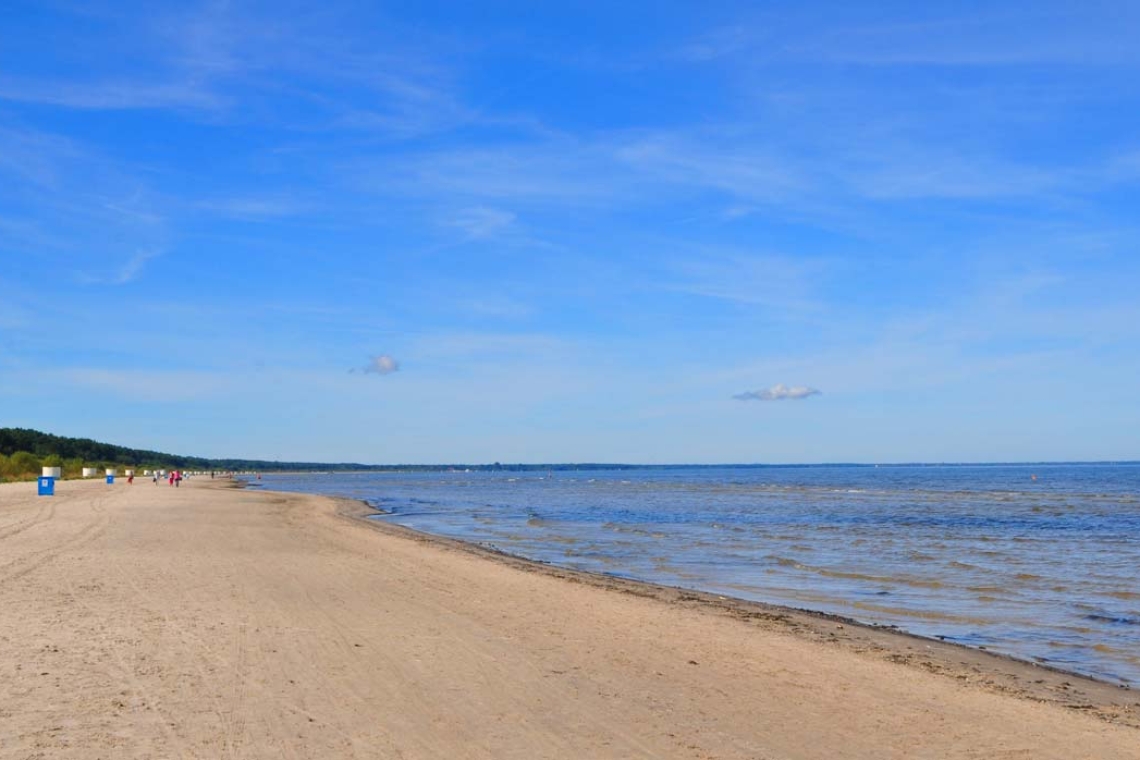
660 232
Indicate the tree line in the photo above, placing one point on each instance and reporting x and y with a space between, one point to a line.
24 452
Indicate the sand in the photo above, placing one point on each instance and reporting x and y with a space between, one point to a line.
209 622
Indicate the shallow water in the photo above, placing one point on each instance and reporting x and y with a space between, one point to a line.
1045 569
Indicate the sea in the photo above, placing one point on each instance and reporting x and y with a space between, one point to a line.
1040 562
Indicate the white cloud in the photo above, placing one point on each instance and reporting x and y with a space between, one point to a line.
778 392
380 365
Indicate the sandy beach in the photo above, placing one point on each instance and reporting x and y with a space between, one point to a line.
214 622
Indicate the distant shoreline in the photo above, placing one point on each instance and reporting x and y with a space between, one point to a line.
77 452
596 467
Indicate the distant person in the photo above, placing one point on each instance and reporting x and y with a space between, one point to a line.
131 479
154 477
170 478
177 478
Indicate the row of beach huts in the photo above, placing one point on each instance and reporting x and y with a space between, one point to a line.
93 472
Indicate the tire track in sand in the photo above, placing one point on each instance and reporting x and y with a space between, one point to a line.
43 514
37 558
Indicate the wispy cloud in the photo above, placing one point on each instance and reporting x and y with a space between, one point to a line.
255 208
147 385
37 158
907 173
207 59
988 39
744 169
128 272
109 96
134 266
720 43
925 36
78 208
778 392
787 284
542 172
482 222
490 305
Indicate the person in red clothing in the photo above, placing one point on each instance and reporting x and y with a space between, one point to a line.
170 478
177 478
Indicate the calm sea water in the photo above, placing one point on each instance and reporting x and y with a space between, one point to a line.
1045 568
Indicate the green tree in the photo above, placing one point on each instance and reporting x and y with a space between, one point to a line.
23 464
73 467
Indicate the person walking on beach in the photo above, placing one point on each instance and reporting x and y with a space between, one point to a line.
170 478
154 476
177 478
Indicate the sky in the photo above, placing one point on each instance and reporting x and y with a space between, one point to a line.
577 232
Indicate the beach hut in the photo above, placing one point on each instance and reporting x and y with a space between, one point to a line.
90 472
53 472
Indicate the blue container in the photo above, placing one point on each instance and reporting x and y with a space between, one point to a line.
110 480
46 487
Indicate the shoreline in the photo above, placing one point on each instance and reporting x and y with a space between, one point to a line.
213 621
994 671
1030 570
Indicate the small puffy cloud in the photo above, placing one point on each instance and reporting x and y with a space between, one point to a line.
778 392
379 365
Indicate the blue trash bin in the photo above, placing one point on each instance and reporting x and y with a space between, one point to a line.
110 480
47 487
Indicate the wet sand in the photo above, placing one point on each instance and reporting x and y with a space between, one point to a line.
212 622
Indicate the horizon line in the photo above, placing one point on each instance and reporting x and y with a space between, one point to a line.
606 465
